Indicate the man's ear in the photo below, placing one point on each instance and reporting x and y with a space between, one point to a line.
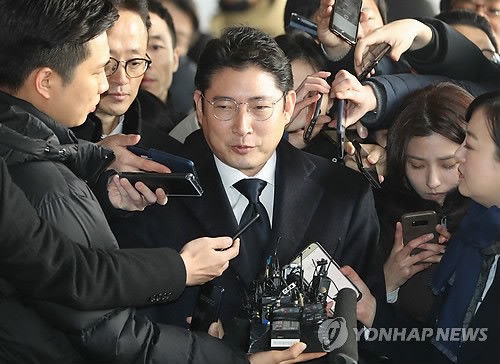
290 99
198 102
175 61
44 79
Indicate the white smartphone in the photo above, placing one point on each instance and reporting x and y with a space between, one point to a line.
309 258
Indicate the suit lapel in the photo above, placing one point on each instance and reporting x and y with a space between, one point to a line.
296 196
212 211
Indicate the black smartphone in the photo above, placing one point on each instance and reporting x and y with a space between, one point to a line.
174 184
241 231
418 223
370 172
372 58
300 22
344 20
176 163
207 308
314 120
340 129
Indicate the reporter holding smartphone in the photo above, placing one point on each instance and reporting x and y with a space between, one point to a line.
421 174
341 53
467 281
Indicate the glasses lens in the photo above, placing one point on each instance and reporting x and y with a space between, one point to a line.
261 109
224 109
111 67
136 67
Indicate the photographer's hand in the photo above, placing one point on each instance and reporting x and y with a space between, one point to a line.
293 354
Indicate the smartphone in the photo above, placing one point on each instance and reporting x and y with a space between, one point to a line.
308 259
370 173
176 163
300 22
314 120
344 20
207 309
418 223
372 58
174 184
340 129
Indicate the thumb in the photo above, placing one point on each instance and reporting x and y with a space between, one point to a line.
223 242
131 139
291 353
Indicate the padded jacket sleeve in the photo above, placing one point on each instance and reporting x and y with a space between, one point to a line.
41 262
453 55
122 336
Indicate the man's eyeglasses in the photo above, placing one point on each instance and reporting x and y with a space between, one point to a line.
134 67
226 109
489 10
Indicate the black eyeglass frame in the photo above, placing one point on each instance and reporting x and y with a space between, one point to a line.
147 61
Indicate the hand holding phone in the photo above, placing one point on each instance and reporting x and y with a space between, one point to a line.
207 309
317 109
372 58
344 20
416 224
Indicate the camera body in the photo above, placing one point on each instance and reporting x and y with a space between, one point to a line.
284 309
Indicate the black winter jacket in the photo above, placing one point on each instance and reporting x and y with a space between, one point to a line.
448 57
392 201
49 164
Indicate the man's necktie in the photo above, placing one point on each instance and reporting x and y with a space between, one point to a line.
256 238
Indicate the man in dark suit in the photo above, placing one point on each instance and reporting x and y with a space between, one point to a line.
244 100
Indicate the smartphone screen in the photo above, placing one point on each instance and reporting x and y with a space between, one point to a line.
308 259
372 58
344 20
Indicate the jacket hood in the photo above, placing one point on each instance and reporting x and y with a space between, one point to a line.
26 134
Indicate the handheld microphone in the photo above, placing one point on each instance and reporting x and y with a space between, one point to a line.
345 308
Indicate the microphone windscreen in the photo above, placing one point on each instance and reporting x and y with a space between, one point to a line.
345 311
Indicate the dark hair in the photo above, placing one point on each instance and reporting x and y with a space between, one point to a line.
439 109
137 6
48 33
465 17
242 47
490 103
307 8
157 8
445 5
300 45
189 8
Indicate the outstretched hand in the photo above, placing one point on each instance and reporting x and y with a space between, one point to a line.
293 354
207 258
401 35
360 99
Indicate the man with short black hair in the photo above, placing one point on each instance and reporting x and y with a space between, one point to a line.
244 100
